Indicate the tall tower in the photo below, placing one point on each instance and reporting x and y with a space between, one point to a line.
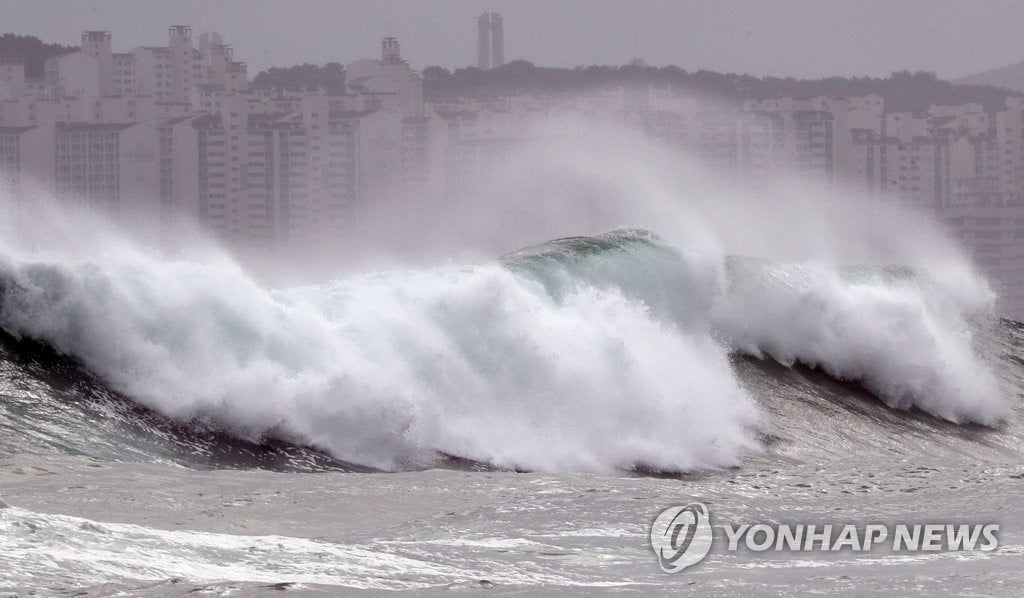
490 41
483 41
497 40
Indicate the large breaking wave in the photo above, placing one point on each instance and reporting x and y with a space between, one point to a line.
589 353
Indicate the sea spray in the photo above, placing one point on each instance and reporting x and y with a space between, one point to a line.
586 354
905 336
389 369
591 353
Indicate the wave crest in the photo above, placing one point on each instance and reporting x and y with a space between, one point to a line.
589 354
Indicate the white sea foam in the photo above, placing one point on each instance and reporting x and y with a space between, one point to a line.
387 369
904 336
486 362
71 550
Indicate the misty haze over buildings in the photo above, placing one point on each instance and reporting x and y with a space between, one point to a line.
176 130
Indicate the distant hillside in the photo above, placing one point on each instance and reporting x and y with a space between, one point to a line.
307 77
31 51
1010 77
902 91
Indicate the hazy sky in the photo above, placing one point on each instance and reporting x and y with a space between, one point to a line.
803 38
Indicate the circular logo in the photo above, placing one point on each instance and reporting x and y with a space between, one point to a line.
681 536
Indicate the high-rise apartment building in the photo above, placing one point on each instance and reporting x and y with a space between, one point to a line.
9 160
114 167
124 74
169 73
12 80
72 75
26 157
